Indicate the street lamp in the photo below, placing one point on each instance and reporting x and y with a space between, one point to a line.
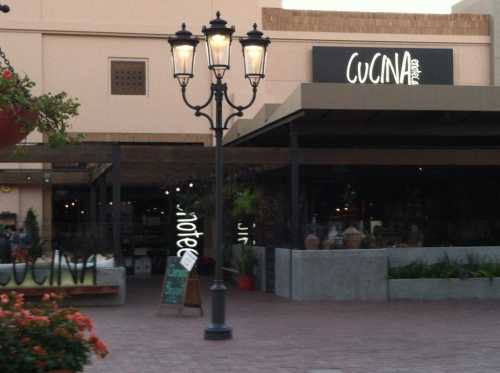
218 39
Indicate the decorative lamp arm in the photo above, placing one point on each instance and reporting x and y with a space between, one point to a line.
198 108
239 109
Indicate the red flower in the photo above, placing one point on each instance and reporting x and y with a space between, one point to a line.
4 299
82 321
7 74
100 347
39 350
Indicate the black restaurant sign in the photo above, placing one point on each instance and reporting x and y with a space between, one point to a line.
408 66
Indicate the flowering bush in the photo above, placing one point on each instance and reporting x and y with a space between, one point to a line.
43 337
52 111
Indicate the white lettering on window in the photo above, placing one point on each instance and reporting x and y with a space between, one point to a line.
187 232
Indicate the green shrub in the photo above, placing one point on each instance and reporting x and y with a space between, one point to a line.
473 267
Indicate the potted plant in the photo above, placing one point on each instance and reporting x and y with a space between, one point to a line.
44 338
33 231
21 112
247 263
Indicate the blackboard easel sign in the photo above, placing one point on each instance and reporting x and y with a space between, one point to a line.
177 283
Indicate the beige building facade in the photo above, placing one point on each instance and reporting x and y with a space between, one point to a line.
72 45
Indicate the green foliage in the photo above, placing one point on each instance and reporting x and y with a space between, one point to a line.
447 268
53 111
245 203
33 228
247 262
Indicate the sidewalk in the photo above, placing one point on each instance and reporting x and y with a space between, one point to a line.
273 335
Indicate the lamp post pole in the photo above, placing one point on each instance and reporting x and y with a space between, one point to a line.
218 41
218 326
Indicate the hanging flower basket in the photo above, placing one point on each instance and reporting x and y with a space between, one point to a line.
12 130
21 112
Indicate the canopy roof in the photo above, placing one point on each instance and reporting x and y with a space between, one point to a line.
325 114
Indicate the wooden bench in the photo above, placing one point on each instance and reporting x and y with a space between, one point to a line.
68 290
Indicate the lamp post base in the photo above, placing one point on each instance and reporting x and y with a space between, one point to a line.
218 333
217 329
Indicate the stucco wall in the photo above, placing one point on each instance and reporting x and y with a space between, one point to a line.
67 45
20 200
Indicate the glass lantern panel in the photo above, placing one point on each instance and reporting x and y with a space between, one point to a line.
183 59
218 50
254 59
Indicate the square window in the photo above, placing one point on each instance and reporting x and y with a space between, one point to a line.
128 78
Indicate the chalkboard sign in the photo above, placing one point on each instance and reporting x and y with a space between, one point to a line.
174 285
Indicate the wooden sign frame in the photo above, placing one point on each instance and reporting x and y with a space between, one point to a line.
192 286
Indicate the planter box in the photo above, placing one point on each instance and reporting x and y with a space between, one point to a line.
332 275
444 289
114 277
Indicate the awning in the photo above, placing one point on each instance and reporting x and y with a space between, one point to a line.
326 114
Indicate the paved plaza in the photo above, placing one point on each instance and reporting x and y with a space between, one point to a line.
277 336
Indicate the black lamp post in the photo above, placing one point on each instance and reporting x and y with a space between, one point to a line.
218 38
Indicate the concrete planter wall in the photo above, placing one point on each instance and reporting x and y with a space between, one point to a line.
444 289
361 275
332 275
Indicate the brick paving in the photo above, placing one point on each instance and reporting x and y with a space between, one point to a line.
277 336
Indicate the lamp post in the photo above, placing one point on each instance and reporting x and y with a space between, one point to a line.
218 39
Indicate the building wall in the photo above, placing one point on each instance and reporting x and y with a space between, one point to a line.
67 45
20 200
492 8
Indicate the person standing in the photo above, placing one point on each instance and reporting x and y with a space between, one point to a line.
5 253
14 243
24 243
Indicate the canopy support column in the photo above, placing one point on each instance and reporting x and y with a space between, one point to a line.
116 174
294 200
93 213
